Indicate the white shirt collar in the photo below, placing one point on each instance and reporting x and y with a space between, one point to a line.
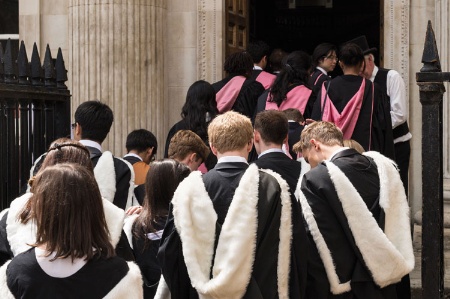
228 159
255 67
132 155
374 73
322 70
271 150
91 143
336 152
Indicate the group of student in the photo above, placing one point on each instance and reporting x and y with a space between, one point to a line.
308 218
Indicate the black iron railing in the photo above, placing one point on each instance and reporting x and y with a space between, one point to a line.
34 111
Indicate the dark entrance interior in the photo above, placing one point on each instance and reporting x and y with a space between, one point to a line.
303 24
9 22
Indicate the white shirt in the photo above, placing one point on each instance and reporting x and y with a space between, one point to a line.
271 150
228 159
396 90
322 70
91 143
255 67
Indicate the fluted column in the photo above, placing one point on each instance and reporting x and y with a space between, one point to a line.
116 55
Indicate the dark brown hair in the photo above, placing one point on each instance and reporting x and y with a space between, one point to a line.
69 213
185 142
162 180
62 150
272 125
294 114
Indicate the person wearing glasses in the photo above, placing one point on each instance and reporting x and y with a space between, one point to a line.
324 60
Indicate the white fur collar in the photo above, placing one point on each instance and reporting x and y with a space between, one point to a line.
21 235
305 168
127 228
130 286
5 293
105 175
131 200
389 255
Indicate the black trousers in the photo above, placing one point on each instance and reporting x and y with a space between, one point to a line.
402 155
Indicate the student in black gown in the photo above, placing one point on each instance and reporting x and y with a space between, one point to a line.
144 230
260 52
237 91
72 256
197 112
357 216
356 105
324 60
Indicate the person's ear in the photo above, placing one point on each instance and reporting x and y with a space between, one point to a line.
256 136
250 145
213 149
193 157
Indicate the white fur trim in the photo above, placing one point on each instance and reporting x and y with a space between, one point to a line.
130 286
19 234
386 264
2 213
114 217
105 175
284 247
5 293
163 291
305 168
33 167
131 199
336 286
127 228
195 220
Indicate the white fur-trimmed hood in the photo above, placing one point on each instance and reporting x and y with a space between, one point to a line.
389 254
195 220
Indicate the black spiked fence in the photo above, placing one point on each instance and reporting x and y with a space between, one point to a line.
34 111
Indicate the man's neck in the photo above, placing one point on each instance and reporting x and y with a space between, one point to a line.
265 147
329 151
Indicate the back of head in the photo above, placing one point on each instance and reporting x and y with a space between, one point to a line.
325 132
65 150
230 131
95 119
257 50
185 142
161 182
68 210
294 114
276 59
272 125
295 71
354 145
239 63
140 140
199 106
351 55
322 51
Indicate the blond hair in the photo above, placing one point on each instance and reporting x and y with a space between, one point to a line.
230 131
354 145
323 131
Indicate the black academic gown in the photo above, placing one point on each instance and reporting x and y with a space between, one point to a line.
247 98
220 184
332 222
316 81
295 130
290 171
374 129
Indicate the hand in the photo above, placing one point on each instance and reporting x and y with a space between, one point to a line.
134 210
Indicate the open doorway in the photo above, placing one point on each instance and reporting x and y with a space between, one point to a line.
303 24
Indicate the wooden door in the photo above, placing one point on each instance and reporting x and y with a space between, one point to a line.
236 26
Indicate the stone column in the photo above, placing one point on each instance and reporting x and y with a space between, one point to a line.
116 55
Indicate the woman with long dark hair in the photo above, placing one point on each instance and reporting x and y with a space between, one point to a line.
72 244
198 110
290 89
145 230
356 105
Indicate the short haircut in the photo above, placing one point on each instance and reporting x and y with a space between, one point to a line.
230 131
354 145
294 114
239 63
351 55
140 140
95 119
323 131
258 49
276 59
185 142
322 51
272 125
68 210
